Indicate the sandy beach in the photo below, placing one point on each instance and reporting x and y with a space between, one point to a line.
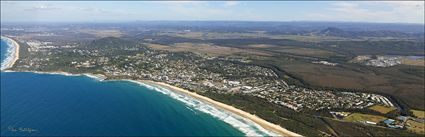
14 55
263 123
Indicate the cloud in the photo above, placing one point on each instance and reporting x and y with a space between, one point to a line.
405 4
231 3
180 3
92 10
369 11
42 7
347 7
394 11
8 3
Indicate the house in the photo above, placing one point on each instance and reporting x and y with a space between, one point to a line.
370 122
402 118
391 123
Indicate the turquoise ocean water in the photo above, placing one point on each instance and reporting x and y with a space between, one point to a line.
47 104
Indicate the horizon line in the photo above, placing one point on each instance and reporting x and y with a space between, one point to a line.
270 21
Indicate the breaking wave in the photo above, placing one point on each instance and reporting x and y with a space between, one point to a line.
248 127
244 125
9 53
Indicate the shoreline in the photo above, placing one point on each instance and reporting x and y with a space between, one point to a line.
98 77
240 113
14 55
264 126
261 122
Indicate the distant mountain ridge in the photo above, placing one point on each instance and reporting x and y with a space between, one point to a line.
340 29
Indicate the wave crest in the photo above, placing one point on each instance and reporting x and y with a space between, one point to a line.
248 127
9 53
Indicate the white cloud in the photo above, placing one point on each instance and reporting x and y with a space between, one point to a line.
42 7
180 3
231 3
395 11
8 3
405 4
377 11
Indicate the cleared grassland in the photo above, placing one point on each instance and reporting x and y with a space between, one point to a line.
414 62
304 51
102 33
294 50
419 113
358 117
382 109
261 46
208 49
238 35
416 127
213 35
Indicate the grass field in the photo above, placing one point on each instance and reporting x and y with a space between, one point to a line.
213 35
414 62
419 113
102 33
416 127
304 51
382 109
358 117
238 35
208 49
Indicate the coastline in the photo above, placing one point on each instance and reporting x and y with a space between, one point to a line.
276 129
263 123
14 55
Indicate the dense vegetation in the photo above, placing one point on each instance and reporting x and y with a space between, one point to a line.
303 123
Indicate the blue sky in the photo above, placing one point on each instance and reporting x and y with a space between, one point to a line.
99 11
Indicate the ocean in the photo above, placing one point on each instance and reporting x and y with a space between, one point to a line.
58 105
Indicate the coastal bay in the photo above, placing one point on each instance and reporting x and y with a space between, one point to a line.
255 126
59 105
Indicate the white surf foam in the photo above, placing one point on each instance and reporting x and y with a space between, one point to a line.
244 125
248 127
98 77
9 53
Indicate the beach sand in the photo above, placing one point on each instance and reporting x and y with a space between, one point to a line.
14 55
263 123
98 77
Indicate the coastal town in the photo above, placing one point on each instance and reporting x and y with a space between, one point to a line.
378 61
195 72
212 68
113 58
